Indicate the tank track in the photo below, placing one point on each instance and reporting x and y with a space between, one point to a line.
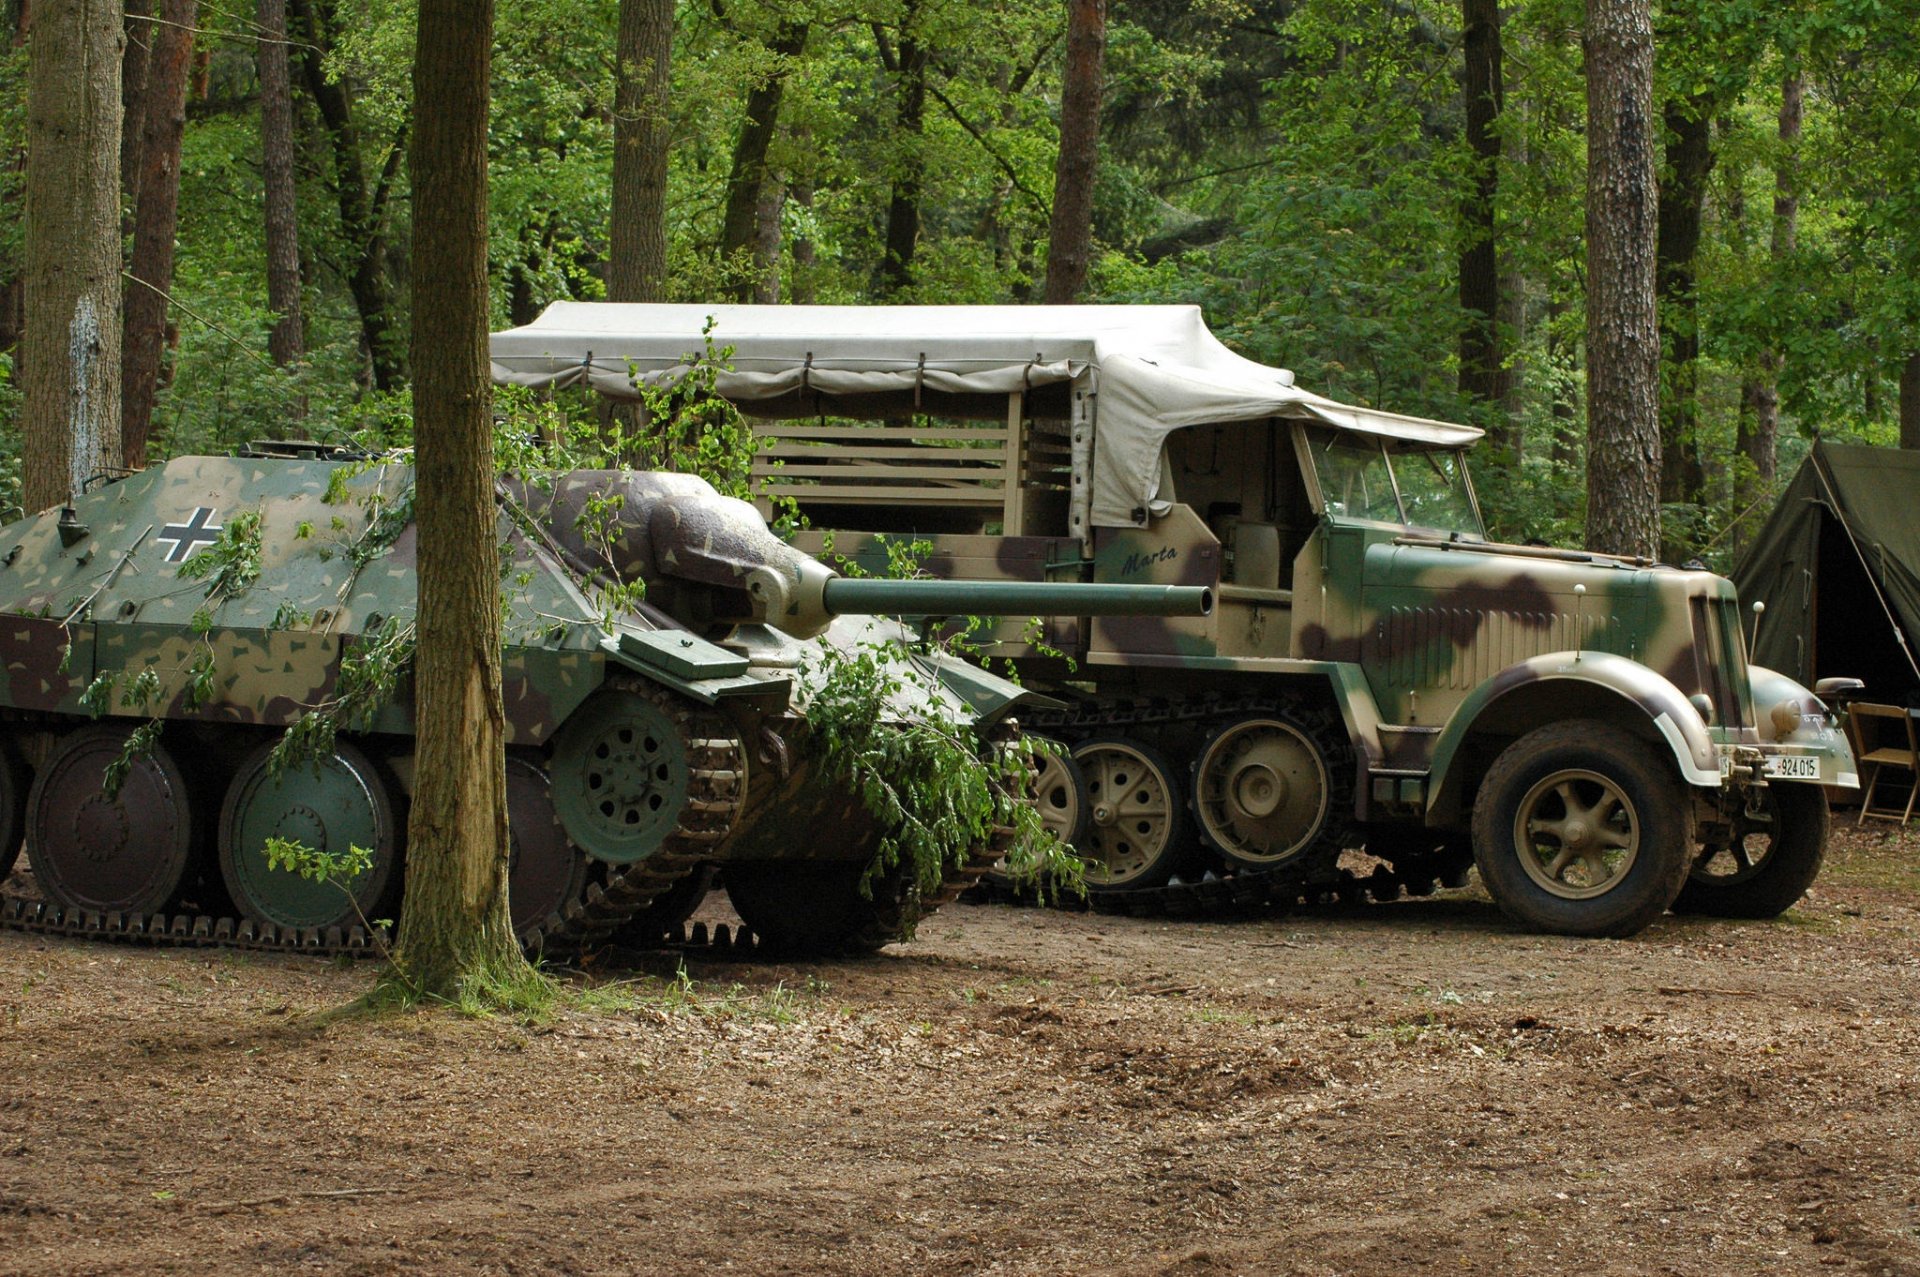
1313 879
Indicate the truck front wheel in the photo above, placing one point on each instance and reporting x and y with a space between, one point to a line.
1773 858
1579 829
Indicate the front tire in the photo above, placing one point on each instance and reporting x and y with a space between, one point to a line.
1774 857
1580 829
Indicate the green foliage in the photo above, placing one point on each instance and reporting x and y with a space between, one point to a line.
231 564
370 672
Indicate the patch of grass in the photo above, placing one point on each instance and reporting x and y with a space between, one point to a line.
1221 1015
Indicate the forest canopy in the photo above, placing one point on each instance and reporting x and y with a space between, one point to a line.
1317 174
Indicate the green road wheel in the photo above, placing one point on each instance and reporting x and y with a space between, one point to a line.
333 805
129 853
620 774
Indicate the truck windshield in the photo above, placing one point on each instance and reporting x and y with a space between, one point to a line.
1369 478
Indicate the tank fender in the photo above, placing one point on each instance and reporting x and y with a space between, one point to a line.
1665 707
690 665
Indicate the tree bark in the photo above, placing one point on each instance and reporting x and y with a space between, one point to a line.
286 340
13 287
908 66
637 239
1910 402
156 215
455 932
1682 201
1070 225
1759 429
1623 341
362 209
70 354
740 232
1482 367
134 60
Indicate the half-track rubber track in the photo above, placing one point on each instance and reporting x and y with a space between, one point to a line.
1316 877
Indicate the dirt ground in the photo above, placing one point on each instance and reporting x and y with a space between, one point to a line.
1405 1088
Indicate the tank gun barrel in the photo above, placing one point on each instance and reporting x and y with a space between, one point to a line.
1010 598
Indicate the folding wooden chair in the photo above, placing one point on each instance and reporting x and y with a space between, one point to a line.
1884 736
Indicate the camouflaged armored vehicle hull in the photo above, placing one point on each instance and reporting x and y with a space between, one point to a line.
193 666
1586 729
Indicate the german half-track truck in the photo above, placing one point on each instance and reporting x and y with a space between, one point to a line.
163 634
1376 673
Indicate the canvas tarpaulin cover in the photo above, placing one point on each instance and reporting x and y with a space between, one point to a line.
1838 567
1154 369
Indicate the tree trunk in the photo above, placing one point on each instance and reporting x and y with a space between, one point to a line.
286 340
362 211
1623 341
455 932
766 240
909 69
156 214
70 355
1482 370
1565 447
1910 402
637 239
13 287
1682 200
1759 429
134 60
739 234
804 251
1070 226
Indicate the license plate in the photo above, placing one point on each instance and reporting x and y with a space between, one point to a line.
1793 767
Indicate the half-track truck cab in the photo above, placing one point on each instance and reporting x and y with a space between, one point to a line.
1375 672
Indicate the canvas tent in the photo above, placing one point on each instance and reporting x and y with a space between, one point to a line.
1838 566
1138 372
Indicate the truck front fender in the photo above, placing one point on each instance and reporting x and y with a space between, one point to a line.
1561 685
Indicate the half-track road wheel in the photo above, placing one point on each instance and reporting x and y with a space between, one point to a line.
129 853
1773 858
1136 824
13 807
1264 791
813 908
546 872
1058 791
333 805
1579 829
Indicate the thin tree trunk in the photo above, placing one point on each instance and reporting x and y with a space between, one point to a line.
134 60
908 66
1070 226
1759 431
286 340
70 354
766 240
804 252
637 239
156 214
1623 340
1910 402
739 233
1482 371
455 931
362 210
1682 202
1565 449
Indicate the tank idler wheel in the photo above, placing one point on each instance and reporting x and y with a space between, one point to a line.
1058 791
1580 829
545 872
13 807
1136 826
334 804
812 908
1263 790
1773 858
129 853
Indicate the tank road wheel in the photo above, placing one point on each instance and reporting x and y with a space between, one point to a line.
620 776
1773 858
1264 792
546 871
1059 793
333 805
1580 829
1136 826
128 853
813 908
13 807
